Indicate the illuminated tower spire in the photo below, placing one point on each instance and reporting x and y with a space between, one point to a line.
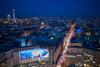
13 15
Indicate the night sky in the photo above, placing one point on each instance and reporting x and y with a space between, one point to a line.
50 8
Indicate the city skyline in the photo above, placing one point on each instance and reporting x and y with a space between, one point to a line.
49 33
50 8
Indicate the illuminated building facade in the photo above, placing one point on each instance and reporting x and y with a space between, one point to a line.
80 56
37 55
8 17
91 58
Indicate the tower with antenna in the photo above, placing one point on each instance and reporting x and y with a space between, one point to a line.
14 19
13 15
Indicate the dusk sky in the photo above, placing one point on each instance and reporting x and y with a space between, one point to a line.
51 8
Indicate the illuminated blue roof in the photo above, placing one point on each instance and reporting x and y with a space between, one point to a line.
79 30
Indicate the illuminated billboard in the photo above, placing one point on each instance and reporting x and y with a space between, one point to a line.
34 53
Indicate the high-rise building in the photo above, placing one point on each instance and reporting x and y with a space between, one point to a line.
14 15
8 17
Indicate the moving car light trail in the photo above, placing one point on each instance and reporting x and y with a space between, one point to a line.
67 39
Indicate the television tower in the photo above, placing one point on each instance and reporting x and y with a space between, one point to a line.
14 15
